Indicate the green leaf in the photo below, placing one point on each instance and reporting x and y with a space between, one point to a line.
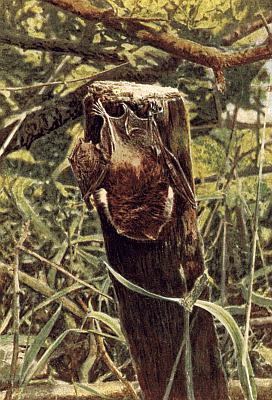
211 196
36 346
262 272
45 357
113 323
246 375
88 238
258 299
138 289
236 310
93 260
98 250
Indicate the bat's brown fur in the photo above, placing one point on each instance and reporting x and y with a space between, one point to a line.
139 200
131 174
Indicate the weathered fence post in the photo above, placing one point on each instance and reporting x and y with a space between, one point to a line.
150 229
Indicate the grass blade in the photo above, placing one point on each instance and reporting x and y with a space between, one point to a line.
245 370
138 289
113 323
37 345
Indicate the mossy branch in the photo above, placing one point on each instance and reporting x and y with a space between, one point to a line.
59 46
217 59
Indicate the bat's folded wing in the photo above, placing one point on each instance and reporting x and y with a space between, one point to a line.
89 168
178 178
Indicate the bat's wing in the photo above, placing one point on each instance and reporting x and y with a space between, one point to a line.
178 177
176 174
89 168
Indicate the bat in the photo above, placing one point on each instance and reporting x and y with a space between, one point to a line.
131 174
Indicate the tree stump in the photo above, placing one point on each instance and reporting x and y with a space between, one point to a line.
165 258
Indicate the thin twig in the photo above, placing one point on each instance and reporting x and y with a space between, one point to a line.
63 271
268 30
221 223
6 320
65 83
233 127
246 29
55 72
110 364
264 264
223 270
174 370
188 357
261 322
267 170
176 362
12 134
211 216
79 228
255 231
217 98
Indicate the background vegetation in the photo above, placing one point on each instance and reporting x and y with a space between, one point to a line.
40 205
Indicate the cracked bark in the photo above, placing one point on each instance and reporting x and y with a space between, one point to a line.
154 328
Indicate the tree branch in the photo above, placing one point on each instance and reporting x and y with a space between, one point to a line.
261 322
55 113
59 46
186 49
244 174
246 29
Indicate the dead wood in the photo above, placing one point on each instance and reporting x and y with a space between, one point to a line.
168 265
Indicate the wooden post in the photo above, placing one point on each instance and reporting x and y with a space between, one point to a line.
168 263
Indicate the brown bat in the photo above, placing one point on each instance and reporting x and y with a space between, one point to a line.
131 174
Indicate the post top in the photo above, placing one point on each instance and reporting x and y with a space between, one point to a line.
131 91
